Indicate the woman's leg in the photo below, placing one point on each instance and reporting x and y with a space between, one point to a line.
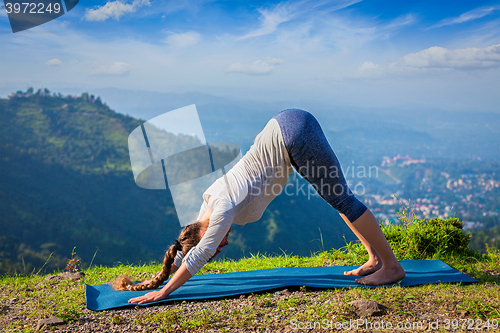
390 269
313 158
374 262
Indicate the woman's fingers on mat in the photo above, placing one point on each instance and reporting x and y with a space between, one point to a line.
149 297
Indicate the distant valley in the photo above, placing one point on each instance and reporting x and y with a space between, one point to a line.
66 179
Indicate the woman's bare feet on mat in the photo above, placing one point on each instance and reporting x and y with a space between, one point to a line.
385 275
371 266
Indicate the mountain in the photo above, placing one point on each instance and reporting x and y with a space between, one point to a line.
66 182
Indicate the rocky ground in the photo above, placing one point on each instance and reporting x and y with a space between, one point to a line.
267 318
289 310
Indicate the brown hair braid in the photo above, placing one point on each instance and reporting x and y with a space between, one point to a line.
188 238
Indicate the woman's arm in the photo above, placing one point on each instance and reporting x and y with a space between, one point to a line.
175 282
217 231
219 224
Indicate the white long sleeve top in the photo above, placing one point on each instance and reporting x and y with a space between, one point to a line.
242 195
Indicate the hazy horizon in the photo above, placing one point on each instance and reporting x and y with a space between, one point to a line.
352 131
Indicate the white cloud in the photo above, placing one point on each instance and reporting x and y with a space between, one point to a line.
434 59
115 69
182 40
465 17
114 9
339 33
388 30
302 37
367 66
440 57
258 67
275 61
286 11
53 62
270 19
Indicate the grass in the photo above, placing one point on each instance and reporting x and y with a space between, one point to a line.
438 239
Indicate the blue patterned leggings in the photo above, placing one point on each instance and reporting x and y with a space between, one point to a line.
313 158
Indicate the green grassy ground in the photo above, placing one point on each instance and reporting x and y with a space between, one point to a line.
25 299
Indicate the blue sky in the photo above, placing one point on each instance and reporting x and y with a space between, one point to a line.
380 54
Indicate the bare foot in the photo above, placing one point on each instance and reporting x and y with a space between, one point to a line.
385 275
371 266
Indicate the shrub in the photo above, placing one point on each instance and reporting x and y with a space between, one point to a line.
428 239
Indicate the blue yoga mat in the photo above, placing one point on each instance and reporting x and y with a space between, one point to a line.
200 287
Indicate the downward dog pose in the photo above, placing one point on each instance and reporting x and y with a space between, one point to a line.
292 138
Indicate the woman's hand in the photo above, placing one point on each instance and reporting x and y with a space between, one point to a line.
153 296
179 278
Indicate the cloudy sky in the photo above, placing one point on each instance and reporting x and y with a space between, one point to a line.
382 54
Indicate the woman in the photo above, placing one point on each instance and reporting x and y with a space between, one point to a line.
292 138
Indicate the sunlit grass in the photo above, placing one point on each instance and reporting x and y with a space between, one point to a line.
66 299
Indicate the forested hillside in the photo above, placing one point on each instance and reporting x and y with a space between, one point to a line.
66 181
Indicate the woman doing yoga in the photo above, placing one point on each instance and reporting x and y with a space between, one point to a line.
292 138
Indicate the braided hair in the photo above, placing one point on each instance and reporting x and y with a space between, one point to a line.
189 238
